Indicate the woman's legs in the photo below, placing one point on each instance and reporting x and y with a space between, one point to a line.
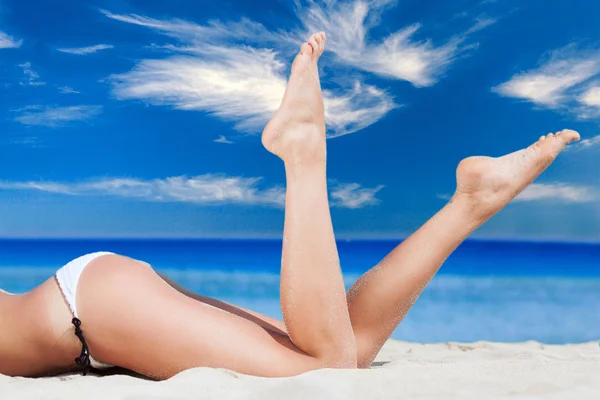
313 298
380 299
134 319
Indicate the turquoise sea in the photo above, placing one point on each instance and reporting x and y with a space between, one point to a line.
487 290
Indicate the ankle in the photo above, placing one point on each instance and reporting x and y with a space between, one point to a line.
302 169
474 209
304 147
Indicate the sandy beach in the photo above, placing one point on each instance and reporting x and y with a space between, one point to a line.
481 370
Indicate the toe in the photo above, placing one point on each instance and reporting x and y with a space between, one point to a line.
550 145
542 137
306 49
569 135
314 44
321 39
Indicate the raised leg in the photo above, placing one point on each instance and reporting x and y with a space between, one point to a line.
158 329
380 299
313 298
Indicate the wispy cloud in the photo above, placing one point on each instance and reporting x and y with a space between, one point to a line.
8 42
209 189
555 192
233 70
223 139
588 143
203 189
561 192
397 56
481 23
31 77
355 109
190 32
241 84
68 90
31 141
86 50
564 80
591 97
56 116
353 195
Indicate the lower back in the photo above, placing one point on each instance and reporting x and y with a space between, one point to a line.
36 337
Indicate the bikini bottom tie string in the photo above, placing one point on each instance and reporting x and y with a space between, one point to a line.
84 358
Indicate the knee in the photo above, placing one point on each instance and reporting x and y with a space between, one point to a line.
366 350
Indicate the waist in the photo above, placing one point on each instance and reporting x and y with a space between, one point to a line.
37 334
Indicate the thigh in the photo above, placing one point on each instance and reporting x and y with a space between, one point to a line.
271 324
134 319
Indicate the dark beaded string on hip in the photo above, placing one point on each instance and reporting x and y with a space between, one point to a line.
84 358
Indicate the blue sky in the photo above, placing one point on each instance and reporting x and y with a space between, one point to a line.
143 118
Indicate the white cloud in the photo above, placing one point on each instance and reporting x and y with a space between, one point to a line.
86 50
557 192
355 109
481 23
8 42
397 56
31 76
563 81
588 143
353 195
547 85
241 84
190 32
56 116
223 139
591 97
203 189
216 70
68 90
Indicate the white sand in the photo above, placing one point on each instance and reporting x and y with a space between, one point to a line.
402 370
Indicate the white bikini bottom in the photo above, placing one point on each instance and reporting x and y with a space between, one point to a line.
68 278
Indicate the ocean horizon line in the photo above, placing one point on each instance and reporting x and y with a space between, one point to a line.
273 239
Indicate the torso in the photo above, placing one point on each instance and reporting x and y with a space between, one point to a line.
36 334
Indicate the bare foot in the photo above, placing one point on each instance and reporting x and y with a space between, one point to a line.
297 130
488 184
